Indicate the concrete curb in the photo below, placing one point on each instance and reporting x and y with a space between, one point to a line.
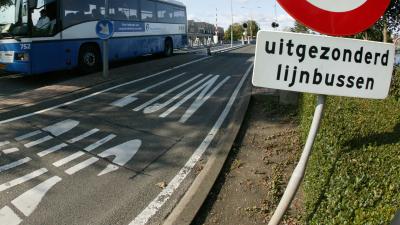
191 202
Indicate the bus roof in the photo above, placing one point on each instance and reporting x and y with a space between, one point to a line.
173 2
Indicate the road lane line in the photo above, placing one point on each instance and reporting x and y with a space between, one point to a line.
9 217
205 87
28 135
158 106
4 143
10 150
29 201
68 159
14 164
132 97
100 142
83 136
166 194
23 179
200 100
165 94
52 150
39 141
81 166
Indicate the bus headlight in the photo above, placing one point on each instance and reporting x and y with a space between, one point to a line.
23 56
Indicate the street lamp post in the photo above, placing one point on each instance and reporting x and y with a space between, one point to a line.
232 24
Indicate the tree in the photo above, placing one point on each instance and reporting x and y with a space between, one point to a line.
5 3
237 32
252 27
390 22
300 28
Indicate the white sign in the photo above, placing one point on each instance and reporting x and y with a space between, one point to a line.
6 56
323 65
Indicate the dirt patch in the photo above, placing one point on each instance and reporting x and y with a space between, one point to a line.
258 168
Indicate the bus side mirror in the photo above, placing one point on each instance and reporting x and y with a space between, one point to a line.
32 3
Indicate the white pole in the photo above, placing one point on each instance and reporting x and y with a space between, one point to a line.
232 24
105 45
299 172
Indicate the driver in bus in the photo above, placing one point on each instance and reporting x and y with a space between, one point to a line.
44 21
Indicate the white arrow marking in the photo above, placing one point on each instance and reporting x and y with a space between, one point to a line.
61 127
9 217
123 153
337 5
28 201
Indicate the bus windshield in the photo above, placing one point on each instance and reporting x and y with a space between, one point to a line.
7 14
14 19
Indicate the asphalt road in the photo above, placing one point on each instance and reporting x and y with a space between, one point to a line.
95 152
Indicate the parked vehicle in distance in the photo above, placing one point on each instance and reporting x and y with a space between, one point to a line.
39 36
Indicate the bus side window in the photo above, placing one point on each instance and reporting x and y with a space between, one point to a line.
148 9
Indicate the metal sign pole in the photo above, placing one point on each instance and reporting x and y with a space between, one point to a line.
299 172
105 45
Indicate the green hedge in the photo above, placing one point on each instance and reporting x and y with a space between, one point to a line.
354 172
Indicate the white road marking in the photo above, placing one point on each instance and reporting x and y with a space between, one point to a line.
83 136
39 141
166 194
68 159
200 100
52 150
61 127
165 94
14 164
132 97
123 154
23 179
100 143
204 88
337 5
10 150
28 201
98 93
81 166
26 136
4 143
158 106
9 217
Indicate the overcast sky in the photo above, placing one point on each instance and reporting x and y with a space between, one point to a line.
260 10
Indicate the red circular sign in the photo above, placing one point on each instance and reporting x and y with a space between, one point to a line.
336 17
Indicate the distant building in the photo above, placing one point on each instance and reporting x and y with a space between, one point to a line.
200 32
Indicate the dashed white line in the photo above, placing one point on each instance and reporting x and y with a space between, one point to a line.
28 135
39 141
166 194
9 217
132 97
52 150
83 136
68 159
23 179
100 142
4 143
14 164
28 201
81 166
10 150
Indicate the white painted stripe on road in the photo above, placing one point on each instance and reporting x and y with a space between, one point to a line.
23 179
81 166
204 88
200 100
132 97
14 164
98 93
52 150
39 141
10 150
28 135
158 106
29 201
100 143
62 127
4 143
83 136
68 159
165 94
166 194
9 217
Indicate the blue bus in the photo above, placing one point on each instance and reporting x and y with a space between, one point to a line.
39 36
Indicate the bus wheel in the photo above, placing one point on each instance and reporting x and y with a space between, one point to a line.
89 59
169 48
